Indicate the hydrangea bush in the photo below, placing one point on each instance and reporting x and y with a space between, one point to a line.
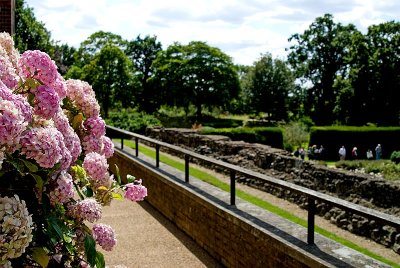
54 176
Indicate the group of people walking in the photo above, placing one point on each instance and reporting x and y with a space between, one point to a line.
313 152
354 153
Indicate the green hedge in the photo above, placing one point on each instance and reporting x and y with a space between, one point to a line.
131 120
205 121
364 138
265 135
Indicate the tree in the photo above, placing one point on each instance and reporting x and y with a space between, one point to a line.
64 57
30 34
375 75
268 85
142 52
196 74
111 75
318 57
94 43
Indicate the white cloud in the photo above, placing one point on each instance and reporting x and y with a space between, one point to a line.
244 29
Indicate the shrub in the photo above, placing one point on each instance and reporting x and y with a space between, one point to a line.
294 135
395 157
132 120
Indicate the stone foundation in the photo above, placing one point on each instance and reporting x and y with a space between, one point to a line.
362 189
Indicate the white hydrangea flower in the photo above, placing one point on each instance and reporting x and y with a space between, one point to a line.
15 228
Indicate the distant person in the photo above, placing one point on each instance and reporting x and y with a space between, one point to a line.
302 153
297 152
378 152
342 153
322 152
370 155
354 153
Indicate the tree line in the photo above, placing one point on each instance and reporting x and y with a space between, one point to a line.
333 74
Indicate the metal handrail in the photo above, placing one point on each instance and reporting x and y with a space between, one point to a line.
312 195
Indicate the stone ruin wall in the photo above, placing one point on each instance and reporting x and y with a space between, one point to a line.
363 189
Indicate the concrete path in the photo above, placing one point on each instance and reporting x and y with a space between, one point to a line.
147 239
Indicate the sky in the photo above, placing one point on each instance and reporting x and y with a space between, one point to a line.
243 29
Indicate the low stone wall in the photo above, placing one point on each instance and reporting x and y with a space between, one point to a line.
361 189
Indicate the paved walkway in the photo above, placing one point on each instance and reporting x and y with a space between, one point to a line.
147 239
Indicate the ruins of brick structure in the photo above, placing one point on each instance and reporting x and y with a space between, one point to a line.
363 189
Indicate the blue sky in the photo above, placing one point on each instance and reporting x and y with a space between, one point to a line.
243 29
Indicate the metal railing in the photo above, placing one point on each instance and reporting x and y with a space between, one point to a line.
312 195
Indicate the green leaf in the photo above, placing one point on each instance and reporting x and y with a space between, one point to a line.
77 120
40 256
87 191
79 173
100 263
117 174
19 165
130 178
90 250
117 196
31 166
39 181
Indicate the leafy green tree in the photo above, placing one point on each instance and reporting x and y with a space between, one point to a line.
111 75
375 75
30 34
142 52
196 74
267 87
94 43
64 57
318 57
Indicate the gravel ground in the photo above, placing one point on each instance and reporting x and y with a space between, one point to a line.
148 239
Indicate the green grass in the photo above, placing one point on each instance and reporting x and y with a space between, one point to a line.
256 201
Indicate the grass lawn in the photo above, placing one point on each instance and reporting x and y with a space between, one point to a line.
254 200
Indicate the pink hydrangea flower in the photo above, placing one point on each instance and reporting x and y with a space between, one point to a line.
102 145
104 236
9 57
108 147
19 100
96 126
7 71
135 191
92 144
71 139
47 102
59 86
12 123
64 189
43 145
87 209
95 165
82 94
37 64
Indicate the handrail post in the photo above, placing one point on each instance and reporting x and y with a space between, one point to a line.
311 220
186 168
233 188
137 146
122 143
157 155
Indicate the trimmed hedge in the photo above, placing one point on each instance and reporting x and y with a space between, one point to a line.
205 121
364 138
271 136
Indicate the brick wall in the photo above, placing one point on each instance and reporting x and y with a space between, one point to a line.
224 235
7 16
